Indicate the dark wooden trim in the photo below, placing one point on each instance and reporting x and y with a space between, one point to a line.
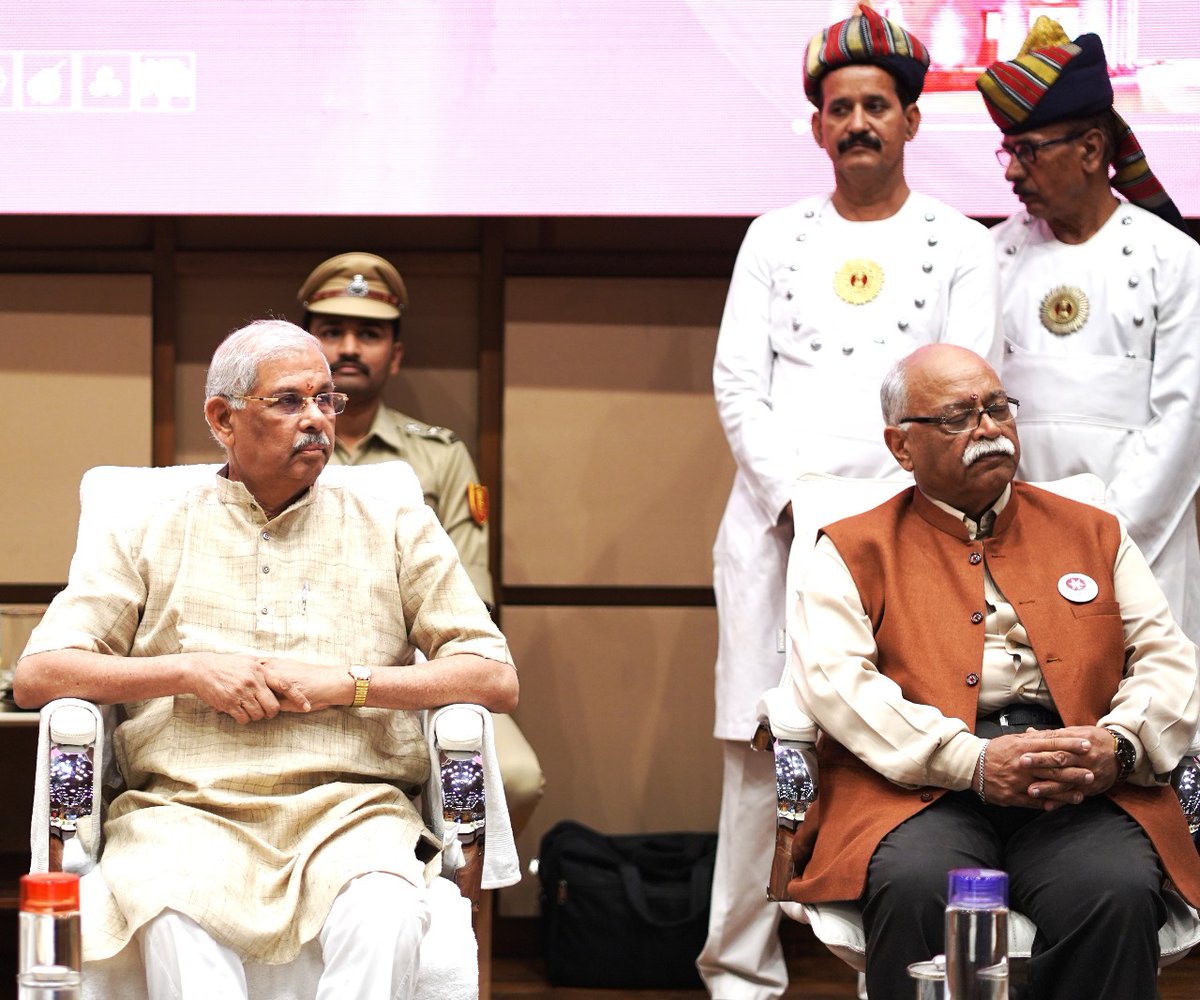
163 311
560 264
491 380
29 593
610 597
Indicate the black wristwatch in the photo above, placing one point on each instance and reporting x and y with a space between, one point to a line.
1125 754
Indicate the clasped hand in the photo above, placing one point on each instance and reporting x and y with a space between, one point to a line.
1049 768
250 688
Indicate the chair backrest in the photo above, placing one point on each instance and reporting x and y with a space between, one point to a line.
819 499
112 496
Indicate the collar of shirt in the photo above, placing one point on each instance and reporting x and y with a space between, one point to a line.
972 527
234 492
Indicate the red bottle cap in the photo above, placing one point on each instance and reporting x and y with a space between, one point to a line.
49 892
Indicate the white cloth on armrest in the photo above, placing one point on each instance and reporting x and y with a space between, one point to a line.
501 866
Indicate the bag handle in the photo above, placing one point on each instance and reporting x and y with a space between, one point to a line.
635 890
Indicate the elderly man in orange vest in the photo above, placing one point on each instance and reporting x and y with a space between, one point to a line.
934 632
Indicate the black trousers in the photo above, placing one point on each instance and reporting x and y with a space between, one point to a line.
1086 875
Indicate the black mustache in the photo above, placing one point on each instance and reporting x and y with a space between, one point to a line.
351 363
859 139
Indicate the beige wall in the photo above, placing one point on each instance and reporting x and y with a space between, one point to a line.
76 386
615 475
615 469
618 704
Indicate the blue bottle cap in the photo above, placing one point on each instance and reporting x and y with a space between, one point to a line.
977 888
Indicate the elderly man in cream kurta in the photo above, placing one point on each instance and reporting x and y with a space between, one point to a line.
260 632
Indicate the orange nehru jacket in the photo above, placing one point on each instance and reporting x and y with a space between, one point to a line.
924 596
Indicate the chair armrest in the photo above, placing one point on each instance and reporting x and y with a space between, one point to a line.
458 736
1185 779
795 790
70 762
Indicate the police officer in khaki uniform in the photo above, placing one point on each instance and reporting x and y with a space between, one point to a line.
353 304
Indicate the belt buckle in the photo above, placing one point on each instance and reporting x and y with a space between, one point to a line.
1003 720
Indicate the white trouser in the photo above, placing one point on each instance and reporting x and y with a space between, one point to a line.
742 958
370 944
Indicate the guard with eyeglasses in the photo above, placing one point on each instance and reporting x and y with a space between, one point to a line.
1100 309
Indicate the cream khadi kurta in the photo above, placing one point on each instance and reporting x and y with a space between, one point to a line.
253 830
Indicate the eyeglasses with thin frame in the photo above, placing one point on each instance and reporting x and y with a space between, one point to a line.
960 421
1025 152
292 403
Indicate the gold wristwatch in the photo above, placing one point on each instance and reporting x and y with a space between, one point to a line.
1125 755
362 681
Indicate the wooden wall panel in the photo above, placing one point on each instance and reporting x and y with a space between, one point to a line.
615 467
76 385
618 704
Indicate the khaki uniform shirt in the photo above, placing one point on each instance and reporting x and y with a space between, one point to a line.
282 812
444 469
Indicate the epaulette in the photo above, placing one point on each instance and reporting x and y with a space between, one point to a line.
443 434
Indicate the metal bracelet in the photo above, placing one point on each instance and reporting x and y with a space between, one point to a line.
980 765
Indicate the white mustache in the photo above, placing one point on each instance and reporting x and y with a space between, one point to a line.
310 439
987 446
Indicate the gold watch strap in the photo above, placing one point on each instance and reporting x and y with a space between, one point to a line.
360 691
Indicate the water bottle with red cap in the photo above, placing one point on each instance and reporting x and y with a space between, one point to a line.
48 957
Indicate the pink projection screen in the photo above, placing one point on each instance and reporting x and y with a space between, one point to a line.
514 107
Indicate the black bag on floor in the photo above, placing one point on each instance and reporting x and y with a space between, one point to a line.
628 911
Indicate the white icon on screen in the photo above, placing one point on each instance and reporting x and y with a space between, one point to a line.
46 85
165 83
106 83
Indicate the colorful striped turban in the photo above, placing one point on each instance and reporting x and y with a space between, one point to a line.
1054 79
865 38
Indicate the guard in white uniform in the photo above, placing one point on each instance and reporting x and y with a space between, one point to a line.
1101 306
825 296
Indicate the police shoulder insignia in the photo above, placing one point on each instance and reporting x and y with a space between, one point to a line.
431 431
477 502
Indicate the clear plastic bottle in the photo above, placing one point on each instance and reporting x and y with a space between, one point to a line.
976 931
49 954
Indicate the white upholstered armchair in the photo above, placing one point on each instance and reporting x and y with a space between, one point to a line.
75 775
463 802
818 500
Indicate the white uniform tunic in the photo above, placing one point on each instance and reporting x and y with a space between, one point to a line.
797 377
1117 397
